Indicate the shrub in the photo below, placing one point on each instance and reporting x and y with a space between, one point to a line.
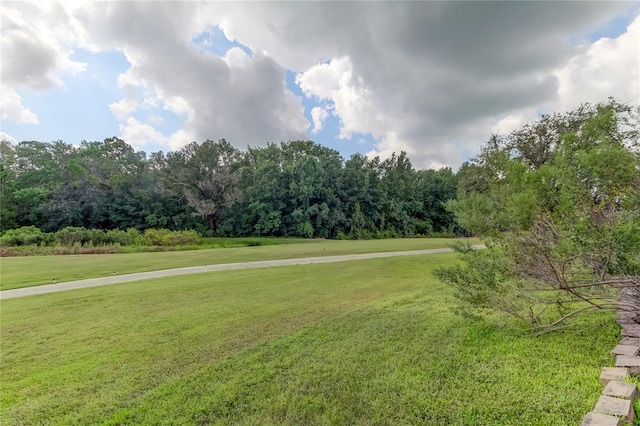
387 233
24 236
73 235
130 237
96 237
134 237
165 237
342 236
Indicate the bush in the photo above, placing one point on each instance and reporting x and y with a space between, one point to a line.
74 235
165 237
81 240
24 236
130 237
387 233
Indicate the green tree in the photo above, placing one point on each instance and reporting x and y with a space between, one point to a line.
207 176
8 211
361 196
561 201
399 205
433 189
290 189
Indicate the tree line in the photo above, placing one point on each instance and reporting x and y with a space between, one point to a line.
289 189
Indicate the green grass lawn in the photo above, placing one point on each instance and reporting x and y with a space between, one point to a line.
362 342
18 272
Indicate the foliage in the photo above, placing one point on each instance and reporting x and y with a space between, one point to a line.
165 237
79 236
23 236
206 175
295 188
561 199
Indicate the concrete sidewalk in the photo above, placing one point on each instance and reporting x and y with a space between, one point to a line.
118 279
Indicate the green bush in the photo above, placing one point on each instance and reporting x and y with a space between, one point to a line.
130 237
165 237
73 235
24 236
387 233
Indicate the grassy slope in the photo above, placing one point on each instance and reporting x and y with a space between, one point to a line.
366 342
17 272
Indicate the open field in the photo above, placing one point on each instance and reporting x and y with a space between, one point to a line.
363 342
18 272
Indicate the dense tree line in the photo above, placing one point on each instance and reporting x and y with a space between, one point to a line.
296 188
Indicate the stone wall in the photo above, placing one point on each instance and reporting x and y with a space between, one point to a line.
616 401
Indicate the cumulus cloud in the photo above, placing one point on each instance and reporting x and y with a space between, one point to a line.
608 67
13 110
139 135
128 84
8 138
348 95
431 78
34 54
318 114
241 98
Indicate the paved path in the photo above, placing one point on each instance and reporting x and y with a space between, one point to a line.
125 278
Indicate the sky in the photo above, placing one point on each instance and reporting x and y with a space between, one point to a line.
434 79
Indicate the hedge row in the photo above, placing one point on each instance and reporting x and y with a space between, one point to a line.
70 236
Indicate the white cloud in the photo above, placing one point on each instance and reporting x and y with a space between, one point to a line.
177 105
236 57
431 78
608 67
35 54
510 123
140 135
128 84
180 138
349 96
318 114
7 137
12 108
243 99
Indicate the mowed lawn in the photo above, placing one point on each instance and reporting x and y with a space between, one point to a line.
362 342
17 272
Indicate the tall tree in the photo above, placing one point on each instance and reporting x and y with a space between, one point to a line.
207 175
291 189
8 211
399 194
361 196
433 189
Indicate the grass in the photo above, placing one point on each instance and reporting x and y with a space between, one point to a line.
362 342
18 272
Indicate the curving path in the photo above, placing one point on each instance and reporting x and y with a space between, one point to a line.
125 278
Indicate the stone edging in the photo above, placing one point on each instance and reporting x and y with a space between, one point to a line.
616 401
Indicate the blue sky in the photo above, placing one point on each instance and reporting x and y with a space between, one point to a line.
387 95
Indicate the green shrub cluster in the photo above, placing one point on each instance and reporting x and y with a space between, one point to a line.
78 236
165 237
26 236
